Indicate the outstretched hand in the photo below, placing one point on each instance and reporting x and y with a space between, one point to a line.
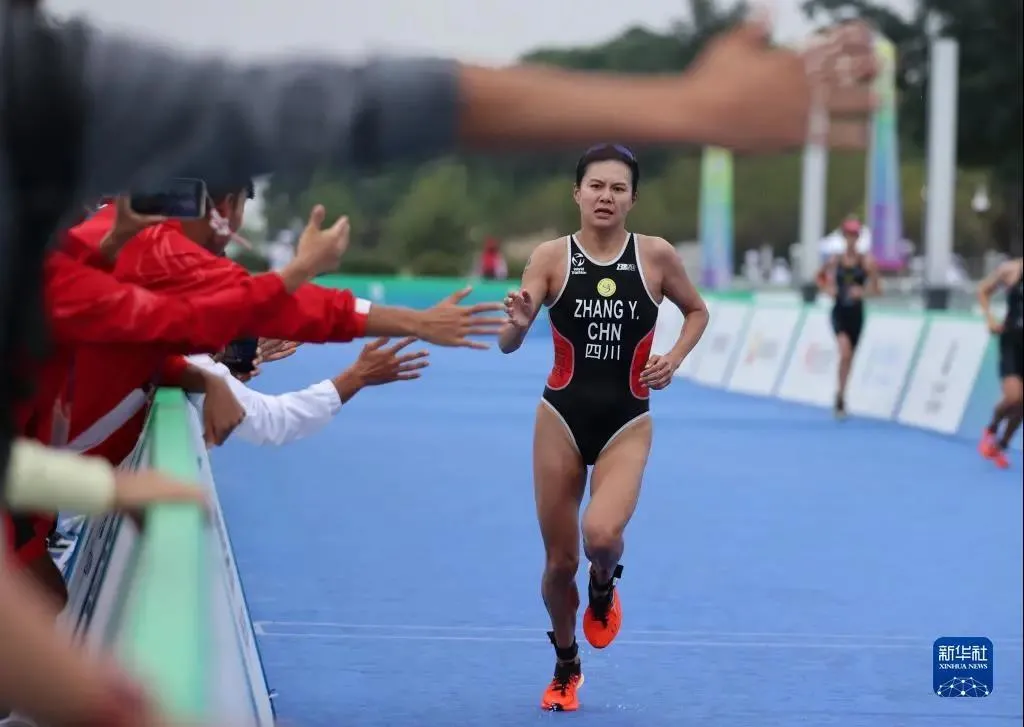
519 307
774 98
451 324
273 349
379 363
320 249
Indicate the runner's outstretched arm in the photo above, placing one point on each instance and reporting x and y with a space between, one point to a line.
523 305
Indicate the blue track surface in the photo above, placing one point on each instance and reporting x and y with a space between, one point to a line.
782 569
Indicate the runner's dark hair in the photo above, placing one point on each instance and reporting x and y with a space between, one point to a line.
609 152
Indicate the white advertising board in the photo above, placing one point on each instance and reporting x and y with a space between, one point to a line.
720 341
810 376
943 377
764 351
881 364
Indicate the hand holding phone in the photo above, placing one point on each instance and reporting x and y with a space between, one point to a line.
128 223
240 355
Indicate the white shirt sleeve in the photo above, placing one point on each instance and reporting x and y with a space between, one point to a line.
280 419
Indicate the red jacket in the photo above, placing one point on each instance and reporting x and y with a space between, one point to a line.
113 384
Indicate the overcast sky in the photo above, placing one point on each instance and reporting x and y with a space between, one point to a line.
474 30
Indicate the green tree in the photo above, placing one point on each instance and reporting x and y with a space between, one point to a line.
433 223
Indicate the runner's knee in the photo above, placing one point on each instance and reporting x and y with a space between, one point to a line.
601 535
1013 393
561 565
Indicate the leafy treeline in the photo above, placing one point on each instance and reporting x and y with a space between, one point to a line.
432 217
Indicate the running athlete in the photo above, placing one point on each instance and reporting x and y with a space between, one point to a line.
848 277
1010 409
602 286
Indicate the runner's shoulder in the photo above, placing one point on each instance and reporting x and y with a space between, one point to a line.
654 251
547 258
654 245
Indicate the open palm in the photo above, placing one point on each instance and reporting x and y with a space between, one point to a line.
519 308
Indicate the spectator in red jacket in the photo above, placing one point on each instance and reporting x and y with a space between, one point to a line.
492 265
87 307
184 258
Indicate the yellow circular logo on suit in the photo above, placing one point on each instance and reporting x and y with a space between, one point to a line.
606 287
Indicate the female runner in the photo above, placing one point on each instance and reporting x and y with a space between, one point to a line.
603 287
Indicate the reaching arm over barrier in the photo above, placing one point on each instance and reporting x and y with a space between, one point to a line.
283 418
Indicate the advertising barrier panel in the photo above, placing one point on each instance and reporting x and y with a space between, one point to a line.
241 691
666 330
882 363
947 366
721 341
765 350
811 373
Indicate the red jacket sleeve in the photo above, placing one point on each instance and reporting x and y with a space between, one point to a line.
86 305
82 241
176 266
172 371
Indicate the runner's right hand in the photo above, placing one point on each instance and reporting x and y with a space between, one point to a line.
519 308
320 250
450 324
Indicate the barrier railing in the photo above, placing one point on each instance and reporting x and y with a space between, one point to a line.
170 598
164 636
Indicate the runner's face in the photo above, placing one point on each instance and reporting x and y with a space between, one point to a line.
605 195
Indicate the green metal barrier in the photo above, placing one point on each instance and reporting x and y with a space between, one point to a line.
164 635
424 292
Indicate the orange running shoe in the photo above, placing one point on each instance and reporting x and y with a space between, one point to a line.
562 693
988 446
603 617
999 458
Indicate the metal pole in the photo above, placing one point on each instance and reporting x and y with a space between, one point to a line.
813 205
941 203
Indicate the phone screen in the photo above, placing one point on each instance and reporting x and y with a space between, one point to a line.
240 355
181 198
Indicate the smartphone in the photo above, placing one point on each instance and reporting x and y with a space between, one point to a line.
183 198
240 355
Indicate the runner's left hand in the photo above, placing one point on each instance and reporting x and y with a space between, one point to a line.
658 372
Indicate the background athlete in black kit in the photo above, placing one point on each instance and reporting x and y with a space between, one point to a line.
605 190
848 278
1010 410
